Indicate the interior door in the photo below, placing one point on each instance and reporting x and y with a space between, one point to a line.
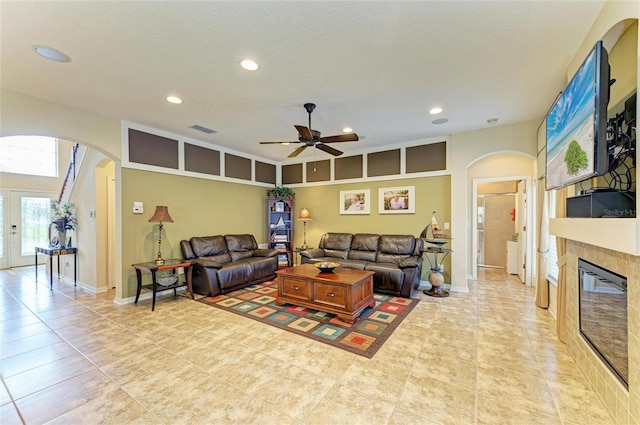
4 230
29 220
521 223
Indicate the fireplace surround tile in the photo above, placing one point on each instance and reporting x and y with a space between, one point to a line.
623 406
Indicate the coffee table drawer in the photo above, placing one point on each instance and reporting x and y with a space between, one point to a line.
330 294
295 288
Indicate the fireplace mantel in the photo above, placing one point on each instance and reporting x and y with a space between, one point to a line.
618 234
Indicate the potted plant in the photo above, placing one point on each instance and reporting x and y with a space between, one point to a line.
63 220
281 192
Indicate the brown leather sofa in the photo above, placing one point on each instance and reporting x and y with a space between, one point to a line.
223 264
395 259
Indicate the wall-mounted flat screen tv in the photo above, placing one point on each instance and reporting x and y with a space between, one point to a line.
577 124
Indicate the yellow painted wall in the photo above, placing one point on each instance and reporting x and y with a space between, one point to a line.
198 207
624 65
207 207
432 194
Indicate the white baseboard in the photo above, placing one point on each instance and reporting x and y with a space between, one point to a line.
449 287
92 289
146 295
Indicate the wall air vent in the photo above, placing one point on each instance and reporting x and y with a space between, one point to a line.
203 129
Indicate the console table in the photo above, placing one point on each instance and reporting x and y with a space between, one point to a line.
57 252
155 287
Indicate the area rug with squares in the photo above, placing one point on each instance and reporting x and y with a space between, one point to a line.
364 337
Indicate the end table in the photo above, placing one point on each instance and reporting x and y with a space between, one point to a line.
435 277
155 287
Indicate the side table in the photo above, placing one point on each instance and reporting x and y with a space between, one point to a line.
296 252
57 252
155 287
435 277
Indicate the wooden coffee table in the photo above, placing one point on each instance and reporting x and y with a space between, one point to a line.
343 292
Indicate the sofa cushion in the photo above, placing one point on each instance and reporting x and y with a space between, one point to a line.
234 274
336 245
353 264
206 246
364 247
388 277
187 250
397 244
220 259
262 267
239 255
241 243
395 248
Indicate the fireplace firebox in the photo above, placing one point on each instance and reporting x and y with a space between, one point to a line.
603 316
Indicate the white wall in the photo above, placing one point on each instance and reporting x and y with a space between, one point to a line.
25 115
466 148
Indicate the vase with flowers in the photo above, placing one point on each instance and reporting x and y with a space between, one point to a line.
63 219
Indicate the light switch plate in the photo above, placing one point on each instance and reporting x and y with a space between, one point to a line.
138 208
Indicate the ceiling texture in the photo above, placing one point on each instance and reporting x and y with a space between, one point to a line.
377 67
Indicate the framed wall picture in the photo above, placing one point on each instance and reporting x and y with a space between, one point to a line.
397 200
357 201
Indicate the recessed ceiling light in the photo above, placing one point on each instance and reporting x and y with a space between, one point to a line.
492 120
174 99
249 65
51 54
285 144
347 130
435 110
440 121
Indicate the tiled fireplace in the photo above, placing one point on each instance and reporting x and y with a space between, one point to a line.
623 405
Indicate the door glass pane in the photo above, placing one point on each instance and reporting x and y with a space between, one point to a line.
36 218
1 226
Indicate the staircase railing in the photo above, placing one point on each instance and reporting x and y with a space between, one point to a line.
71 170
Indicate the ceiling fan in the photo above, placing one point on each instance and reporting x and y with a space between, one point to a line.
312 138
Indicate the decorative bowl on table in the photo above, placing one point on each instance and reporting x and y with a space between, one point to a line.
167 280
437 241
326 266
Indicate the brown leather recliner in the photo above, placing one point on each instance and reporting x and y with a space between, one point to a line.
223 264
395 259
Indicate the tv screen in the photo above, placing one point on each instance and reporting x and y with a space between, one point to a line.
577 124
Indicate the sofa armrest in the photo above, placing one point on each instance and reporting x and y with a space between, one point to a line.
312 253
207 264
265 252
413 261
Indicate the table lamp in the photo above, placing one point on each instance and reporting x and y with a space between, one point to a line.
161 214
304 217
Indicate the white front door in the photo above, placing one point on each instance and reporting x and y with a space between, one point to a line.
29 221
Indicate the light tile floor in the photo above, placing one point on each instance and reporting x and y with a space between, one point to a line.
485 357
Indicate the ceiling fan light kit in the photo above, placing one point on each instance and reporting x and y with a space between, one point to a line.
313 138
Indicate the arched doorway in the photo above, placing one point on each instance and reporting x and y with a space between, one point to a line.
498 168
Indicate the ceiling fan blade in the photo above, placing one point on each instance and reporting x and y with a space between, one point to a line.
297 151
304 132
279 143
328 149
351 137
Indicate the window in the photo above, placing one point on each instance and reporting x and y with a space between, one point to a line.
34 155
552 255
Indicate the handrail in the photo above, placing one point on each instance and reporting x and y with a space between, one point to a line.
70 169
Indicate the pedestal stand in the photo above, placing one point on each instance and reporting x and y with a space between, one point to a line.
435 277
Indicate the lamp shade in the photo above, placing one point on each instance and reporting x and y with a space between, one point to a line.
162 215
305 215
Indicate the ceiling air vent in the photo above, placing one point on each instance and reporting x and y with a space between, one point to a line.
203 129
